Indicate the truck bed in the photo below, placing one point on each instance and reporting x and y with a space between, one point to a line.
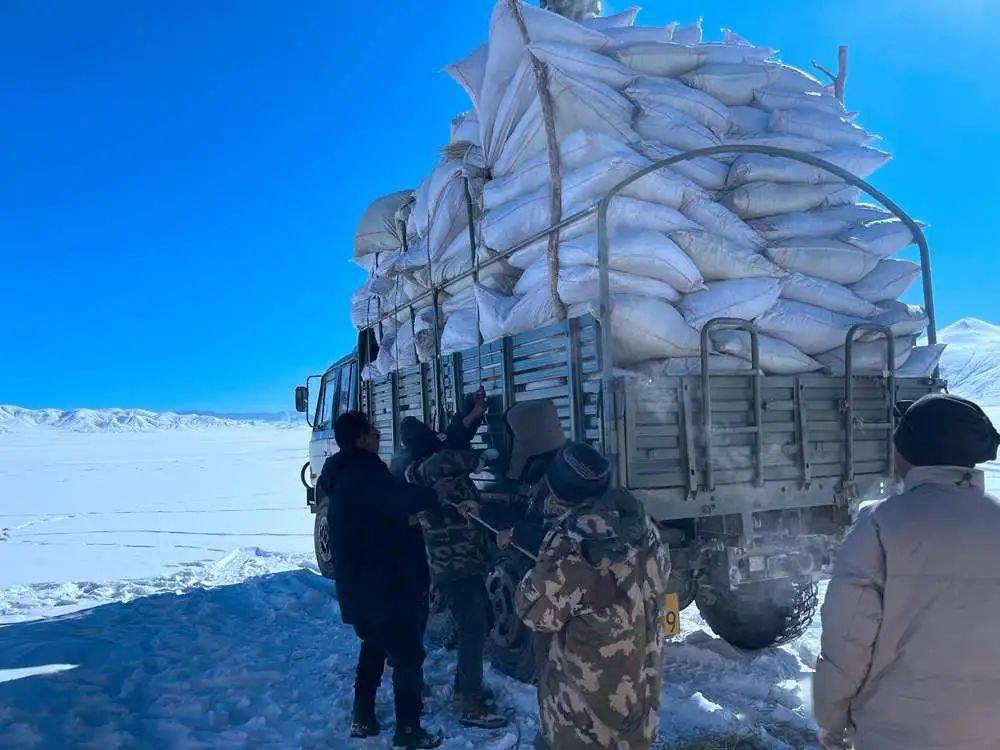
659 431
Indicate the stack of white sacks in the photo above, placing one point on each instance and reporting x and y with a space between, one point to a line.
760 238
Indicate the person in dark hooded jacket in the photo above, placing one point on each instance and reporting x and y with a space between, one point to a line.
381 575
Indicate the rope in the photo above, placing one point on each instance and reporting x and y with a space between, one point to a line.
541 75
495 531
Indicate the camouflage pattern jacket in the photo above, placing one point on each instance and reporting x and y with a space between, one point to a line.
597 589
456 548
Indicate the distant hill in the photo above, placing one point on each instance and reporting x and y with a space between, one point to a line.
971 362
133 420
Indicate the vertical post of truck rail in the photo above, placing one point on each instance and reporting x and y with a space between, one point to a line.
889 424
609 438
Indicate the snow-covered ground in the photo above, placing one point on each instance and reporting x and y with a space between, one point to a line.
157 589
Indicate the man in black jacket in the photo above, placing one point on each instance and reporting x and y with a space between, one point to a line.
381 575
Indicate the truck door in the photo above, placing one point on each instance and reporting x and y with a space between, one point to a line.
338 394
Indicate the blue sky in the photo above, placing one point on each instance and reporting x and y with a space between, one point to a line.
181 181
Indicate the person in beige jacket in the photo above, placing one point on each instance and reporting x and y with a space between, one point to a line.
911 623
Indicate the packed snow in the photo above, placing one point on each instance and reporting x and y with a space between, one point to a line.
128 420
157 589
971 363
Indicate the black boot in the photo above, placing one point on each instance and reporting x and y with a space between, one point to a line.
416 738
476 714
363 722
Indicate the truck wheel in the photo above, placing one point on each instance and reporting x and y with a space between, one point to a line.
758 615
510 646
323 540
441 626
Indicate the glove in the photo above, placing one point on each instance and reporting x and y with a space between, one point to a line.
833 740
487 457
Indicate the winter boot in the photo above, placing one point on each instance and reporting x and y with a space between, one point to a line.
416 738
363 722
479 716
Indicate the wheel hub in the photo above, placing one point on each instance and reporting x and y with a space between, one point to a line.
323 540
500 588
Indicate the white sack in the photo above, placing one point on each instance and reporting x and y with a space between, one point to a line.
690 34
704 171
888 280
460 331
810 123
748 120
635 251
812 329
579 104
883 238
506 51
723 52
732 84
777 357
902 319
867 356
922 362
646 328
826 222
623 20
469 73
739 298
717 219
582 284
652 91
758 199
507 224
719 258
577 150
624 37
859 160
823 293
824 258
659 122
772 98
779 140
578 61
378 229
692 365
623 214
667 59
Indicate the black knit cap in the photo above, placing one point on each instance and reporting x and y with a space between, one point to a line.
944 430
418 438
578 473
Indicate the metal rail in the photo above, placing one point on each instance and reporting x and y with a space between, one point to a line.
890 378
757 429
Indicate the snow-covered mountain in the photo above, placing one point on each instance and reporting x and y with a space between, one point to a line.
971 362
123 420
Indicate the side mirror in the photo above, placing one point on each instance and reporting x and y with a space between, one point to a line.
301 399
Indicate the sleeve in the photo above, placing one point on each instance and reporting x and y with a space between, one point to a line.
457 435
852 616
548 595
446 463
397 497
529 535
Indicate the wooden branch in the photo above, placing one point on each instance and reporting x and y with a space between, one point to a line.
839 81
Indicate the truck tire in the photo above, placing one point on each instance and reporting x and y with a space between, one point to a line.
758 615
323 540
510 645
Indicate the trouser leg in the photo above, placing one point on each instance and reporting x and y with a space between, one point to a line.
371 665
404 644
468 604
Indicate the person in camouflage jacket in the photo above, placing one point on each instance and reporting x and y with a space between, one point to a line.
597 592
456 547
